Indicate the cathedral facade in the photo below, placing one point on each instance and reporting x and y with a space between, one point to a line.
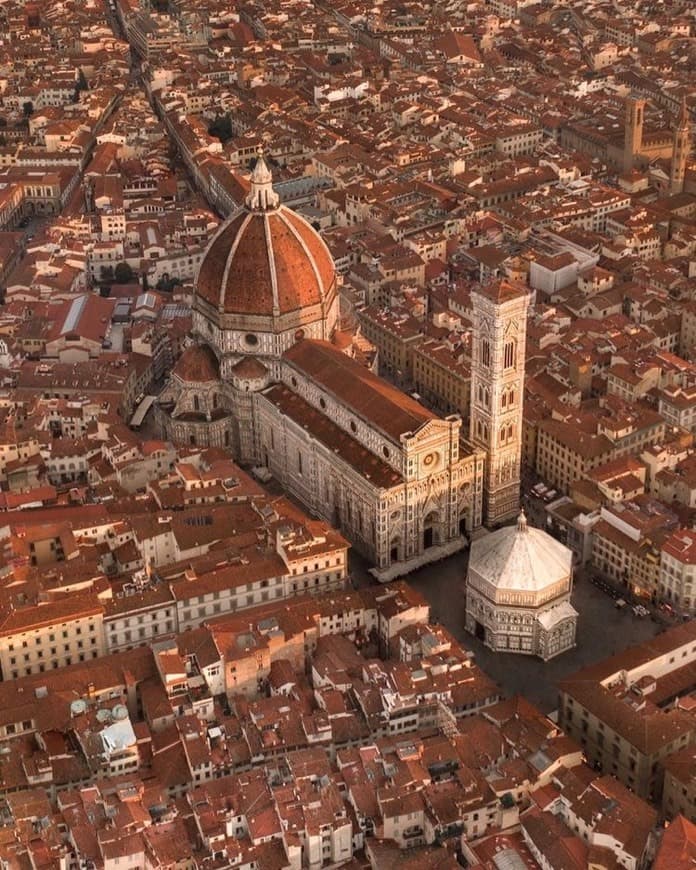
394 478
273 378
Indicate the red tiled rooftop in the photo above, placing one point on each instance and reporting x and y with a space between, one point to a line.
266 264
371 398
198 363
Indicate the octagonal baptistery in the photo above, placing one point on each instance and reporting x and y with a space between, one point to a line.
518 592
266 281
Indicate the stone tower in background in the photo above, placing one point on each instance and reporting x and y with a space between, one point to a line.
680 153
633 130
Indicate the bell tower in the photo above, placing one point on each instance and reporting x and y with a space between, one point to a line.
497 389
633 131
680 153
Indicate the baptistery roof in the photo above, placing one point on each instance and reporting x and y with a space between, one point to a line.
520 558
265 260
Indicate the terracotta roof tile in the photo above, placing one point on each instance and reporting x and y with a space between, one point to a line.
261 263
678 847
370 397
197 363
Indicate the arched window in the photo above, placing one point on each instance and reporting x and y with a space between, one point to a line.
480 393
486 398
215 400
478 428
485 432
196 403
485 352
509 354
503 400
511 397
510 432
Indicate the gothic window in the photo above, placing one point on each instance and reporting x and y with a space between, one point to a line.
510 432
478 428
511 397
503 400
196 403
485 432
486 398
485 352
502 437
215 400
480 394
509 354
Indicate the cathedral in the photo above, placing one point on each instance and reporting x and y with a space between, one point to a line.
273 378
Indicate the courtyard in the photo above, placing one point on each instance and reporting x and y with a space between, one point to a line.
602 629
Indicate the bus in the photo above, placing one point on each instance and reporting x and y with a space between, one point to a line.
141 412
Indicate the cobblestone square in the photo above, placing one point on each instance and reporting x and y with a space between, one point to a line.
602 630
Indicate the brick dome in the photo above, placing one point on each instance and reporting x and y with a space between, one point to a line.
197 364
265 260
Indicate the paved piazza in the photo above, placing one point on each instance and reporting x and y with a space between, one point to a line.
602 630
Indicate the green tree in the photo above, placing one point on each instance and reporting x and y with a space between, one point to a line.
167 284
80 85
123 273
28 108
221 128
106 273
